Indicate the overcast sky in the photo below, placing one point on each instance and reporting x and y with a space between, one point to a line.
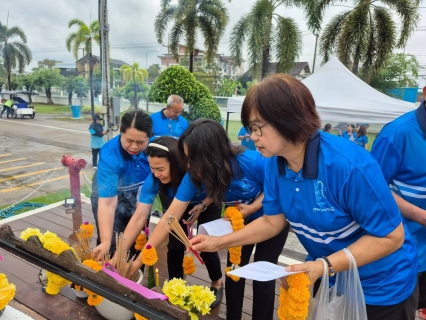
132 28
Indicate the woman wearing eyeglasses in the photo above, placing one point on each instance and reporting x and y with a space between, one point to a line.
232 174
309 179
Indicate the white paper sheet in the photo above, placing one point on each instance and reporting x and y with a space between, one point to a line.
217 228
262 271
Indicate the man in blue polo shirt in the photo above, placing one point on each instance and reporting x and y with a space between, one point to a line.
169 122
400 149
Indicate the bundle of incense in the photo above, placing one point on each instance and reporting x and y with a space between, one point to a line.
122 256
82 247
177 231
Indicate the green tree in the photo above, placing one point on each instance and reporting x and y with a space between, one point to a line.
15 53
3 77
207 79
154 71
84 36
401 70
227 87
264 31
128 92
178 80
210 17
365 36
47 63
81 88
47 78
68 86
26 81
133 74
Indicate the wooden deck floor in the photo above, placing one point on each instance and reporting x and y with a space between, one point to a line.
65 305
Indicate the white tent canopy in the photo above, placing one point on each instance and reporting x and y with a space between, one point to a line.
340 96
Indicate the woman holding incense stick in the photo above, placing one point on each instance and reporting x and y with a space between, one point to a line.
309 179
228 173
164 179
122 169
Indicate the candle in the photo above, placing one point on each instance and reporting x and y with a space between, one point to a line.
157 278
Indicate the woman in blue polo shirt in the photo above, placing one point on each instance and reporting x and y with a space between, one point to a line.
309 179
164 179
232 174
361 138
122 169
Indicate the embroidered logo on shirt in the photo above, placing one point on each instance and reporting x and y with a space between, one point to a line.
320 197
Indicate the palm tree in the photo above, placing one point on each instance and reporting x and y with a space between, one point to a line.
365 36
84 37
265 33
15 54
135 75
190 16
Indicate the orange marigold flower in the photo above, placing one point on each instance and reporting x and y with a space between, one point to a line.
88 227
298 294
149 255
299 280
92 264
140 241
139 317
93 299
188 264
235 278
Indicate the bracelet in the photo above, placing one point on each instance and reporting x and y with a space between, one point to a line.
204 206
331 272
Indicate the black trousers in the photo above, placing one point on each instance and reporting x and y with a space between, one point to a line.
7 110
422 290
263 292
95 153
176 250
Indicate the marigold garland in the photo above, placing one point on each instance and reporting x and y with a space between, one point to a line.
7 291
294 302
188 263
237 223
139 317
92 264
89 228
55 283
140 241
149 255
30 232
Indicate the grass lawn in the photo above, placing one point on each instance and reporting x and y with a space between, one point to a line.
51 109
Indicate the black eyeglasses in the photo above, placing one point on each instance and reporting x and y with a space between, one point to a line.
256 129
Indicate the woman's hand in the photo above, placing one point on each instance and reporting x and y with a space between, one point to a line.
204 243
100 250
313 269
135 266
194 213
245 209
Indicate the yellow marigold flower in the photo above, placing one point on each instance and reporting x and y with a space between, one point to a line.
299 280
55 283
235 278
92 264
55 245
30 232
140 241
7 291
149 255
89 228
188 264
139 317
47 236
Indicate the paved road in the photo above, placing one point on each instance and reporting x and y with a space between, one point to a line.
33 147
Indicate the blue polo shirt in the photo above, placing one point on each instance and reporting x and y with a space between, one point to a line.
248 170
163 126
117 169
151 187
336 198
361 141
400 150
248 143
347 136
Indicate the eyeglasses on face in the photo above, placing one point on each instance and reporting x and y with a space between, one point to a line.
256 129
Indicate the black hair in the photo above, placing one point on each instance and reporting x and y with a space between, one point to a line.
327 127
209 157
136 119
176 169
362 131
286 104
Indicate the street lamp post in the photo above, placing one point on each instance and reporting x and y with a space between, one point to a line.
146 58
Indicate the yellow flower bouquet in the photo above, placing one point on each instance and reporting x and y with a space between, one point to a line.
7 291
194 299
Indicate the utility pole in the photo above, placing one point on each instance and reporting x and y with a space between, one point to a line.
168 48
106 87
315 52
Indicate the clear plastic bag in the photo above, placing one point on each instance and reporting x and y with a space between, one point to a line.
343 301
